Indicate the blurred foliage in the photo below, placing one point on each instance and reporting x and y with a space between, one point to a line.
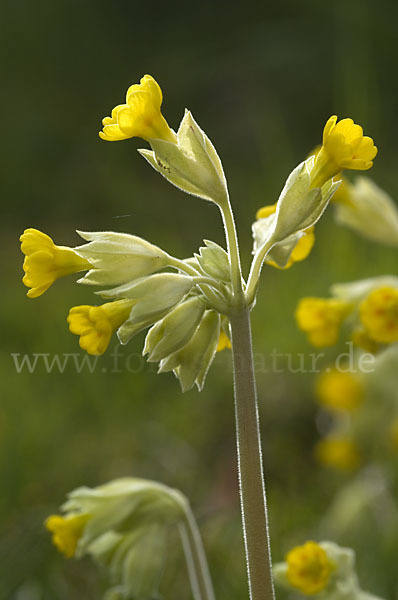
261 79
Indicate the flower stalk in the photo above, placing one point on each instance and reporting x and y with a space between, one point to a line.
250 465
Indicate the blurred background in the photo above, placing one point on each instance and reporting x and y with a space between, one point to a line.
261 79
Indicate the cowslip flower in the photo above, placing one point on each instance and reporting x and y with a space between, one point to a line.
223 342
66 531
339 390
309 568
302 248
321 319
140 116
96 324
344 147
45 262
379 314
338 452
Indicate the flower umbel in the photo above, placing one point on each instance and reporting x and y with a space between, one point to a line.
379 315
321 318
309 568
344 147
45 262
140 116
96 324
66 531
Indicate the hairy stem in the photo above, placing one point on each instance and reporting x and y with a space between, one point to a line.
233 251
250 467
198 570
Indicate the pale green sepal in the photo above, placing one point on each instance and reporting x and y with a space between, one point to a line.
153 295
191 363
262 230
129 329
370 211
118 257
280 253
192 164
214 261
300 207
174 331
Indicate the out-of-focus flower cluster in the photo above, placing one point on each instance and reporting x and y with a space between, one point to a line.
321 570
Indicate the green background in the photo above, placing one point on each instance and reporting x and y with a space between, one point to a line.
261 79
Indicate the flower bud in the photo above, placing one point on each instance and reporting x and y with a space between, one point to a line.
174 331
191 363
214 261
192 164
118 257
152 295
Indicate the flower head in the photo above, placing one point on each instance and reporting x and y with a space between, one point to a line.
96 324
339 390
45 262
379 314
66 531
344 147
338 453
309 568
140 116
321 319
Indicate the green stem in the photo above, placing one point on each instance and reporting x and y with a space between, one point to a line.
233 251
195 557
251 480
255 270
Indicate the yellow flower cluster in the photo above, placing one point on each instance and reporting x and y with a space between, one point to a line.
321 319
303 246
379 315
309 568
344 147
339 390
96 324
45 262
338 452
140 116
66 531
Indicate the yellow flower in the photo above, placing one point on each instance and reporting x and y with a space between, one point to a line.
309 568
338 453
361 339
223 342
344 147
321 318
66 531
379 315
140 116
301 249
339 391
96 324
45 262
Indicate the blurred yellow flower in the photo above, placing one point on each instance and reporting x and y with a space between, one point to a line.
338 453
223 342
344 147
361 339
321 319
66 531
45 262
338 390
140 116
379 315
96 324
309 568
301 249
